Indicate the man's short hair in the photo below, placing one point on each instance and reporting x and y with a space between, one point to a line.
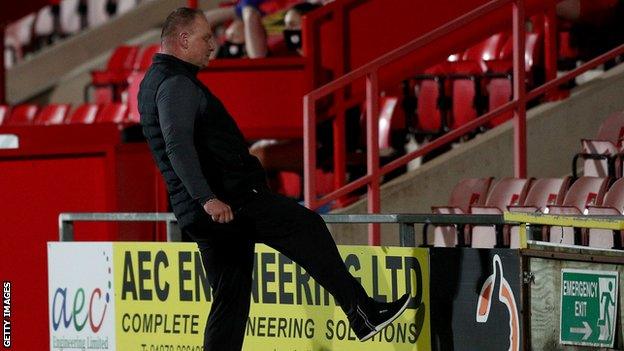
179 18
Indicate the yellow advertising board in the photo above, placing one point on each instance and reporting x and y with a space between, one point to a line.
162 300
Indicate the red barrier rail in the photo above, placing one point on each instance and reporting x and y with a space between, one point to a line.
370 72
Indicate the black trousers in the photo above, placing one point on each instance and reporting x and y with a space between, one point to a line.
227 252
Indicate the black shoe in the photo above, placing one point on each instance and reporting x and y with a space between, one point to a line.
368 319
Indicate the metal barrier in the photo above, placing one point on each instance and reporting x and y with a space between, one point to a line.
525 220
407 235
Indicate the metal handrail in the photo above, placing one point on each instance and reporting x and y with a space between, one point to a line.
370 72
407 235
524 220
66 221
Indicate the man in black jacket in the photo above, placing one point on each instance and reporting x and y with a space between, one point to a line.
219 194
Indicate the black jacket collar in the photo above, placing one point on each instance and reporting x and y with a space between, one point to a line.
187 67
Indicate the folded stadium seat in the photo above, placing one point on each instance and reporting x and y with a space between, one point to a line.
83 114
52 114
96 12
544 192
112 113
144 59
467 192
487 50
70 19
586 191
599 154
613 205
124 6
44 25
499 74
131 95
391 122
432 101
466 79
18 37
465 93
4 113
22 115
114 78
507 192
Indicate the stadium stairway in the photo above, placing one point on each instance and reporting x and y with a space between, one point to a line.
60 72
553 133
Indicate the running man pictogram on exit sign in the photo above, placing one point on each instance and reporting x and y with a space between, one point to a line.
588 307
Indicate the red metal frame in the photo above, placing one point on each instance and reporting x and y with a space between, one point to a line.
519 90
370 73
2 67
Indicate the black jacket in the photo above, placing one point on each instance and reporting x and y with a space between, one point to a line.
195 142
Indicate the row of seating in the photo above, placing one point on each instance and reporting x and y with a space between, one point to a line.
468 84
60 19
586 195
125 60
56 114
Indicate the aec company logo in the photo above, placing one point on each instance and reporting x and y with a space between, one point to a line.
81 297
497 283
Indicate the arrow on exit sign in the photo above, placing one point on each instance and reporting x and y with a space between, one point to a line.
586 330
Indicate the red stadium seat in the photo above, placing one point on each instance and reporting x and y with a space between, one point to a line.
4 113
84 114
391 120
118 68
144 59
134 81
499 84
52 114
613 204
543 193
113 113
429 111
507 192
432 93
466 193
599 154
465 101
499 92
114 77
289 184
465 75
22 115
586 191
487 50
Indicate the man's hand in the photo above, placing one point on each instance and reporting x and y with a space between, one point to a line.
218 211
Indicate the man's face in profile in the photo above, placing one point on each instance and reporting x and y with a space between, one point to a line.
200 42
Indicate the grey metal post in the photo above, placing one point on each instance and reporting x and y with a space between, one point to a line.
66 229
407 234
173 232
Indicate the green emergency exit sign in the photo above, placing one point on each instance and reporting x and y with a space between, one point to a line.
588 307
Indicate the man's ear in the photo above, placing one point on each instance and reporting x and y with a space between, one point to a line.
184 39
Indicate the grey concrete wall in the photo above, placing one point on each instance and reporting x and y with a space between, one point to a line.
553 134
